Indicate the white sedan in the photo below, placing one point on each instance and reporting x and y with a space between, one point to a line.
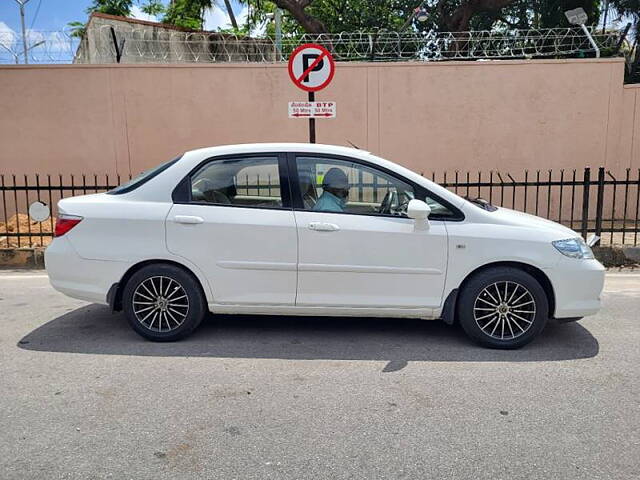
303 229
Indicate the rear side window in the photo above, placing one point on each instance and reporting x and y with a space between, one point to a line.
142 178
244 182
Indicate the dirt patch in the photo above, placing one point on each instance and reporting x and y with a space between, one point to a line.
21 223
21 258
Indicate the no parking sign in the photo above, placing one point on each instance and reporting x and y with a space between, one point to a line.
311 68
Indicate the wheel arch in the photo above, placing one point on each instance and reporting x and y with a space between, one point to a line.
114 296
535 272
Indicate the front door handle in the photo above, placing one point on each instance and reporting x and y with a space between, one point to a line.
323 227
188 219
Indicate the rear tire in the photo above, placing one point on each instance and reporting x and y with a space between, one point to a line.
503 307
163 303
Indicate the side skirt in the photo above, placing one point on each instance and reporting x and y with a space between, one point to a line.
423 313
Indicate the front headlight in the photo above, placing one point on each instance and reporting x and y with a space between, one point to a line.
573 247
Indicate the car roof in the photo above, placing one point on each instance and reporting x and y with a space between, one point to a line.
279 147
165 182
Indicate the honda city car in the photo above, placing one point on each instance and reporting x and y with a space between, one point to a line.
305 229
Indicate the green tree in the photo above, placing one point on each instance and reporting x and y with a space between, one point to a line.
121 8
630 9
190 13
320 16
182 13
546 13
187 13
353 15
153 7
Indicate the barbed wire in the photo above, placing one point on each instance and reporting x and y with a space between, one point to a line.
44 46
150 44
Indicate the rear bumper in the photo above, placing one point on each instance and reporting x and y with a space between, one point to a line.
76 277
577 285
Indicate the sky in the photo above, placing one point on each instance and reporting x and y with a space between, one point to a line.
53 15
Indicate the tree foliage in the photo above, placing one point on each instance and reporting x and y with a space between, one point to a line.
187 13
631 10
350 15
153 7
320 16
333 16
121 8
548 13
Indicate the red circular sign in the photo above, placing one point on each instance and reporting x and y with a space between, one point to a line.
308 69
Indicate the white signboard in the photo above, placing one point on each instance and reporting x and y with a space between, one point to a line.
312 109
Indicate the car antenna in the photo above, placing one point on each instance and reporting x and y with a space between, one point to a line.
353 144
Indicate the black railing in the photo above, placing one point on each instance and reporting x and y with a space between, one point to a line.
564 196
17 192
589 202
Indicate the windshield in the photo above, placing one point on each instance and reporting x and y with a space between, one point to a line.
142 178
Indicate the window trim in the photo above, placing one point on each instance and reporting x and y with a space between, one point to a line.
182 193
298 204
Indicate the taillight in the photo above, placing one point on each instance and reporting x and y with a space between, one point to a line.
64 223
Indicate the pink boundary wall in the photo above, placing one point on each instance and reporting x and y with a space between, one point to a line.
500 115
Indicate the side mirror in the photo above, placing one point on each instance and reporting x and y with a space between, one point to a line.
419 211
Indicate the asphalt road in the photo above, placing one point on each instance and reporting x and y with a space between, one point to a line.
83 397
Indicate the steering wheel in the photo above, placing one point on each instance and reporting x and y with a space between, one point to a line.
402 208
389 203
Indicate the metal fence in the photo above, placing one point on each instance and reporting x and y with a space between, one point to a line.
17 192
585 201
588 201
143 44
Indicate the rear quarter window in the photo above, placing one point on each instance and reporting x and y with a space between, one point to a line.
143 178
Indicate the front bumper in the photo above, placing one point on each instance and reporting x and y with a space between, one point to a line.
577 286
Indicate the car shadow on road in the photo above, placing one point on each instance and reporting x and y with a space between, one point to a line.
93 329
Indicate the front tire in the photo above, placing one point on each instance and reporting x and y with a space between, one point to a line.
163 303
503 307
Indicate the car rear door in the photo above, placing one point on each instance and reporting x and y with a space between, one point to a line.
360 257
237 226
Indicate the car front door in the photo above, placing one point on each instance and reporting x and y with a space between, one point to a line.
236 224
363 251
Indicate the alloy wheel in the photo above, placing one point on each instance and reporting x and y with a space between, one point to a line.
504 310
160 304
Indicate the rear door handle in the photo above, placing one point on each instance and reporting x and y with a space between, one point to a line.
188 219
323 227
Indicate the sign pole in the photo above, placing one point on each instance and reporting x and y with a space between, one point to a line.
312 121
311 68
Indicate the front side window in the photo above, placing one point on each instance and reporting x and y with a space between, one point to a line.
247 182
343 186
